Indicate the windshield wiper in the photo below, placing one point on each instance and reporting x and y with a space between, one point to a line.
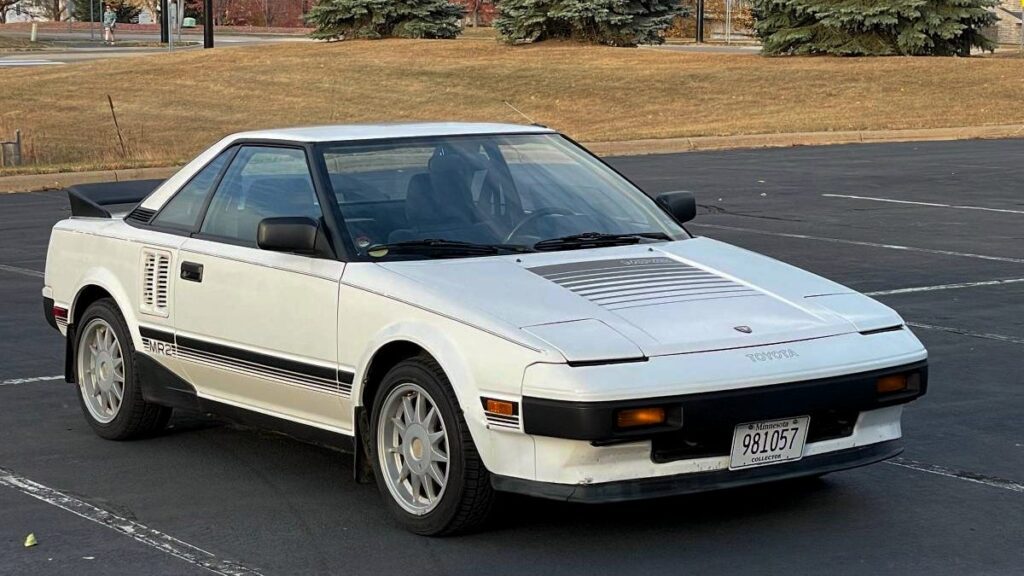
592 239
441 248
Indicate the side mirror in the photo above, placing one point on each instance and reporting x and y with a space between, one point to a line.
681 205
296 234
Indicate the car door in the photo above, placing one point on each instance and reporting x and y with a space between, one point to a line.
258 329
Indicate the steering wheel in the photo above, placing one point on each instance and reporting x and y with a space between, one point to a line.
536 214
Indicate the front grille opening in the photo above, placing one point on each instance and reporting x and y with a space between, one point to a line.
709 439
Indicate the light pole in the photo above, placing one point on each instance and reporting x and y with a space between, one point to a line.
164 23
700 21
208 23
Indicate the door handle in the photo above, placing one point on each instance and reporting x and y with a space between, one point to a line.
191 271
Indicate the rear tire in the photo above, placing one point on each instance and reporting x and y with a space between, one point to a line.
109 391
427 467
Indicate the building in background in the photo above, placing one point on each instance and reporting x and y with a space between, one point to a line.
1008 29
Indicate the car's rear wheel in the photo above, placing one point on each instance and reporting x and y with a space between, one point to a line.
426 464
109 392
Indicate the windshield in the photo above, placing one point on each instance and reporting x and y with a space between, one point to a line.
514 190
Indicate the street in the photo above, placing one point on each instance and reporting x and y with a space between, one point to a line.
934 230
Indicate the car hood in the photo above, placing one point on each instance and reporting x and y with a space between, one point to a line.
629 302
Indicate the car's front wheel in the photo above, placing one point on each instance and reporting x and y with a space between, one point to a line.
109 392
426 464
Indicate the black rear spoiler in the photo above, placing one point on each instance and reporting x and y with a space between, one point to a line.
91 200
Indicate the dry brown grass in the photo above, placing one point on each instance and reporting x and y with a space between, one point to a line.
8 44
173 106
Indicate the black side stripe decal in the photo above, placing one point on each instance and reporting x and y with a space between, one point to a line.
275 366
257 358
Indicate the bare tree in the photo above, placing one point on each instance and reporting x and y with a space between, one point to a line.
55 10
6 5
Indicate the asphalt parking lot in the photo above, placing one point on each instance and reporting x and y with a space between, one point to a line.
935 230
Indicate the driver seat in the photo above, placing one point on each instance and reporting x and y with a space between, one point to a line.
439 203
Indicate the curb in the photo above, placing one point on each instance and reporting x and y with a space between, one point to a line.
699 143
40 182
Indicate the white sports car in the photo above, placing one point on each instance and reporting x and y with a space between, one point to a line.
468 308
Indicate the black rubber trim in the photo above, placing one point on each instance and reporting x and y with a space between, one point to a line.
659 487
155 334
161 386
346 377
584 363
48 313
896 328
164 387
70 341
257 358
595 421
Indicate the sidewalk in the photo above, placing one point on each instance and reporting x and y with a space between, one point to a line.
39 182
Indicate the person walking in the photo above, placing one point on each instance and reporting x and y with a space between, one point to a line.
109 23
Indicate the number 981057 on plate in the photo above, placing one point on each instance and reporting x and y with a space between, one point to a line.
768 442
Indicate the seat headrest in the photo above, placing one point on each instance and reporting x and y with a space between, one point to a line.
425 208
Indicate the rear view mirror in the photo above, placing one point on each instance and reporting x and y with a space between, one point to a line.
681 205
296 234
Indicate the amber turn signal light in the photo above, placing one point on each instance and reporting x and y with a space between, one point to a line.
634 417
891 383
499 407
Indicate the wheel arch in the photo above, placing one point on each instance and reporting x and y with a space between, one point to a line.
95 285
389 351
99 283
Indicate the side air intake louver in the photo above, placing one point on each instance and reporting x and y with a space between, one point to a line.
156 280
140 215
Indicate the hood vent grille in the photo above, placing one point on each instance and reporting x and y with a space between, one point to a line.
156 279
634 282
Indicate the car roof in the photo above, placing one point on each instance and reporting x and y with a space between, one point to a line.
347 132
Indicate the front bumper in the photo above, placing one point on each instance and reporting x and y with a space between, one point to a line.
661 486
697 417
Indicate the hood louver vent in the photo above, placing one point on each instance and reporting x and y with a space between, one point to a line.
156 280
633 282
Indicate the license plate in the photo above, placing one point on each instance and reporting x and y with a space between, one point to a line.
768 442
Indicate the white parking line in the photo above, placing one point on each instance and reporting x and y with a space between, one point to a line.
958 474
29 63
14 381
985 335
861 243
138 532
944 287
25 271
932 204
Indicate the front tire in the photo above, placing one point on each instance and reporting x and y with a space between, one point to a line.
109 391
424 459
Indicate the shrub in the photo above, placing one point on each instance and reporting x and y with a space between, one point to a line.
612 22
347 19
873 27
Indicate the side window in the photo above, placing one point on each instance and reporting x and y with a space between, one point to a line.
182 211
261 183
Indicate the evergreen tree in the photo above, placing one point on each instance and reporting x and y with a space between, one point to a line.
612 22
874 27
125 10
347 19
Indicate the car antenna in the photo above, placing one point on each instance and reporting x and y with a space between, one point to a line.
520 112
